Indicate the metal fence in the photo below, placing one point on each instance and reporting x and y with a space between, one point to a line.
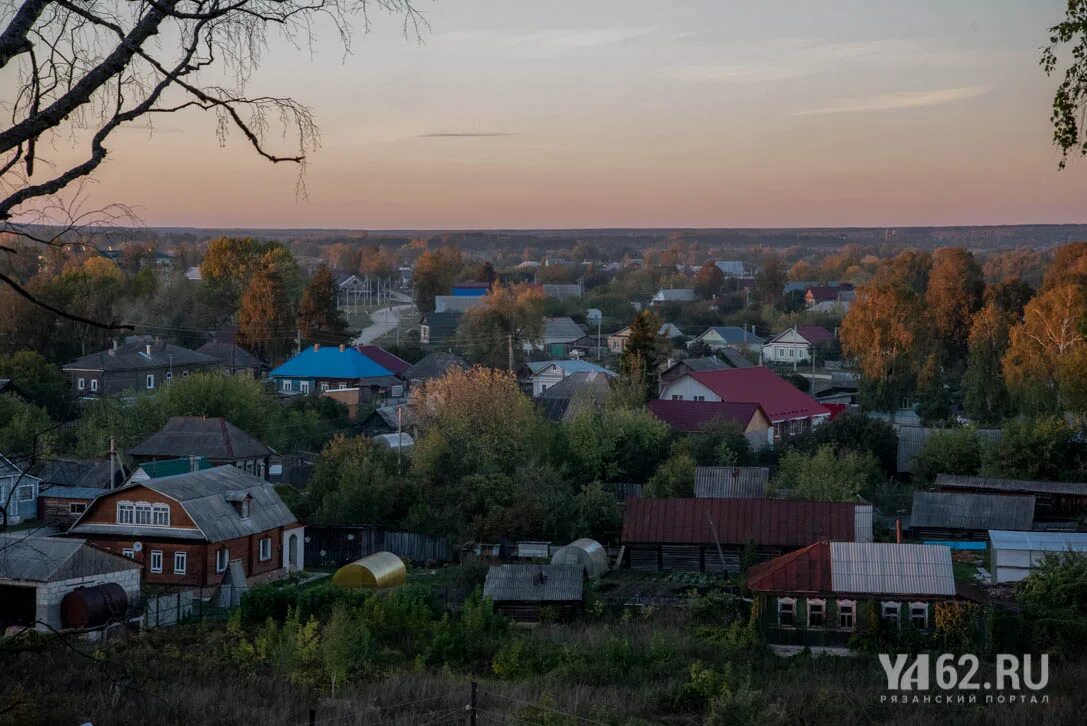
335 546
167 608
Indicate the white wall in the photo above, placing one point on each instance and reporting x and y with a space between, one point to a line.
50 594
687 389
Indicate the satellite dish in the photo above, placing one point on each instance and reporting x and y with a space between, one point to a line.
137 546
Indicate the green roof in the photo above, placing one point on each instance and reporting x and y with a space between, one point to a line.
172 467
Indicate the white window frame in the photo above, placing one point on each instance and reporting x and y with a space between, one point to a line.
922 607
124 508
129 552
264 549
852 614
26 492
822 605
288 386
142 514
156 561
791 610
891 611
160 512
150 381
80 384
324 386
181 562
94 384
341 387
303 386
222 559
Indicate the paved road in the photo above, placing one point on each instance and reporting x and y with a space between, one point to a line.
383 321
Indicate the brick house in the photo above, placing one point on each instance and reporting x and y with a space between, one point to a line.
141 363
187 529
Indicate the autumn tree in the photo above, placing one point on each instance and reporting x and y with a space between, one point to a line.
231 262
433 275
770 282
642 354
955 288
709 281
266 320
985 395
1069 265
1011 296
1045 366
909 268
319 318
509 318
884 333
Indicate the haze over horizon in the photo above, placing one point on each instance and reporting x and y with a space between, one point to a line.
633 114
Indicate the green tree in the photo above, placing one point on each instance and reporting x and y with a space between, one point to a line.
598 514
319 317
709 281
433 275
955 288
641 357
22 426
1070 99
40 381
827 475
674 477
986 399
770 282
853 431
266 319
1054 602
510 315
1043 449
949 451
355 481
1009 296
615 444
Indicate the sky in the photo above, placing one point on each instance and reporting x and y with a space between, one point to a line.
630 113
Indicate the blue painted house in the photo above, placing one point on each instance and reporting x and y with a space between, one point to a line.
329 368
18 493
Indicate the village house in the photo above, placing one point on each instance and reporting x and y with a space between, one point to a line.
384 358
544 374
389 420
563 400
733 268
617 341
433 365
728 336
322 368
724 359
795 345
37 573
18 493
689 417
1054 501
841 293
957 515
716 535
673 295
141 363
169 467
186 530
824 593
234 360
790 410
214 439
439 328
524 593
559 338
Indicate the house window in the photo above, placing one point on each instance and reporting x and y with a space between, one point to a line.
181 561
700 398
222 558
324 387
786 612
792 352
76 508
919 615
94 384
143 513
129 553
891 612
781 352
266 549
184 373
80 384
304 386
397 391
161 515
677 397
288 387
126 513
156 561
245 508
342 386
150 381
846 614
25 493
169 376
817 612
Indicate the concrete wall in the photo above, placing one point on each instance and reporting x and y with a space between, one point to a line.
50 594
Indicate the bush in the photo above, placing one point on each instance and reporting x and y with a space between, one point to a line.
950 451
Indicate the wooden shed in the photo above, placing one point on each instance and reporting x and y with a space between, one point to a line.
379 570
523 592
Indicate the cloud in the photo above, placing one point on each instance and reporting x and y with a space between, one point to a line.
463 135
896 101
543 43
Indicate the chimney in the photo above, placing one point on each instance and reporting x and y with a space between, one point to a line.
148 349
192 462
342 347
898 531
316 347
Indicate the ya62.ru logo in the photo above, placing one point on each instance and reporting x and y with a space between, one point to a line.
1011 673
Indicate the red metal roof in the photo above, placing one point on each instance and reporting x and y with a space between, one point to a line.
771 522
780 399
836 409
815 334
692 416
384 358
805 570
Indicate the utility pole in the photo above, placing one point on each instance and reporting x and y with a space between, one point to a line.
509 344
112 462
599 318
399 435
472 702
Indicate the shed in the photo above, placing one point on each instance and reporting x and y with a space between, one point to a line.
588 554
949 515
1053 500
523 591
379 570
1015 554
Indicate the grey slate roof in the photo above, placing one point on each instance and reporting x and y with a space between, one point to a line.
433 365
731 482
534 583
79 473
46 559
230 354
705 363
213 438
388 415
950 510
553 409
1011 485
65 492
735 358
561 330
580 383
132 355
205 496
443 325
1039 541
885 568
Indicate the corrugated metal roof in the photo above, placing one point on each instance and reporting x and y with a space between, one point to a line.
133 355
172 467
45 559
563 330
1011 485
885 568
731 482
214 438
567 366
385 359
79 473
805 570
63 492
953 510
534 583
780 399
694 416
330 362
771 522
1039 541
434 365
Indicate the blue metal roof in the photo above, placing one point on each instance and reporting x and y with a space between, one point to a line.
330 362
735 334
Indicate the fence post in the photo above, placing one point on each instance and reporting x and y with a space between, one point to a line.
472 705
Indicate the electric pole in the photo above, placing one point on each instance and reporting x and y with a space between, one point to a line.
509 344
